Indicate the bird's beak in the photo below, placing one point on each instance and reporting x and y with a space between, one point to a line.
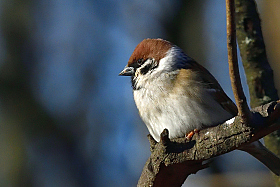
127 71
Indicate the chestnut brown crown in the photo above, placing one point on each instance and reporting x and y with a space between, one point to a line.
154 49
150 48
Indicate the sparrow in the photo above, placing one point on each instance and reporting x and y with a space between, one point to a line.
172 91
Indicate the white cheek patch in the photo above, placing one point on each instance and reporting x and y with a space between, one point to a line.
169 61
146 67
137 73
174 58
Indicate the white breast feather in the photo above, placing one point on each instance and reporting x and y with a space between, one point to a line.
178 113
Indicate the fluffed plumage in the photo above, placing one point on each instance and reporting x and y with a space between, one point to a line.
173 91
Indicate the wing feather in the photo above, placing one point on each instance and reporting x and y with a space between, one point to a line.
214 87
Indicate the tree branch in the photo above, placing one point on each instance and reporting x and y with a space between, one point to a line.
241 102
257 69
252 50
172 161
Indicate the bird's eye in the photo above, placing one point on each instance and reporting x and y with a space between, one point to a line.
140 61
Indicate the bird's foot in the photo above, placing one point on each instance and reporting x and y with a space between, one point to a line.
190 134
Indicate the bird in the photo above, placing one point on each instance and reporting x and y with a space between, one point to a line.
172 91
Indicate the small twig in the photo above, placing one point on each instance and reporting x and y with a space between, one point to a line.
241 102
259 73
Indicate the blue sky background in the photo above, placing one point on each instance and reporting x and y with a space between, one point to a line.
78 48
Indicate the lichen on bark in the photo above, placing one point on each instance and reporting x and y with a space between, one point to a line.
257 69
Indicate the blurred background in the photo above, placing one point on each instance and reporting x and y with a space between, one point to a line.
68 119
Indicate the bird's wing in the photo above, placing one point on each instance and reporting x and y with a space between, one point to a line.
214 87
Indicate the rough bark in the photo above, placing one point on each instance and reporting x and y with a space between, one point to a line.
172 161
258 71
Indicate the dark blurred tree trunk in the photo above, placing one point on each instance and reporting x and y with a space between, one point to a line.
258 71
13 94
22 118
187 27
